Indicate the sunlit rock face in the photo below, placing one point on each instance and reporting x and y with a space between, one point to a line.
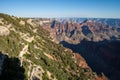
75 30
4 31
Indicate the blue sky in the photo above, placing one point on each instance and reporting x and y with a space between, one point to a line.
62 8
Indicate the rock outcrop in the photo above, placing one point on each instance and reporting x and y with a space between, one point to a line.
4 31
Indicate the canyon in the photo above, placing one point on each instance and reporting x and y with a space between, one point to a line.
96 40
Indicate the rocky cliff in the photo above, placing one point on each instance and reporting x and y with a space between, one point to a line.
97 40
90 29
33 55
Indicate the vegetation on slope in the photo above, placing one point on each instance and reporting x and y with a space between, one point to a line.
40 57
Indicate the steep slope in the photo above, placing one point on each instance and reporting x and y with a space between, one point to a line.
41 58
97 40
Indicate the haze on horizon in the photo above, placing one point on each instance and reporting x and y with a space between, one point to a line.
61 8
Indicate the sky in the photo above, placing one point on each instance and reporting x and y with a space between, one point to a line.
61 8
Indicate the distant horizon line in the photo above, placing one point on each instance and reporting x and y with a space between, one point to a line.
61 17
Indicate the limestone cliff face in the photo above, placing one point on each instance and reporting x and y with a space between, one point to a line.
4 31
31 50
